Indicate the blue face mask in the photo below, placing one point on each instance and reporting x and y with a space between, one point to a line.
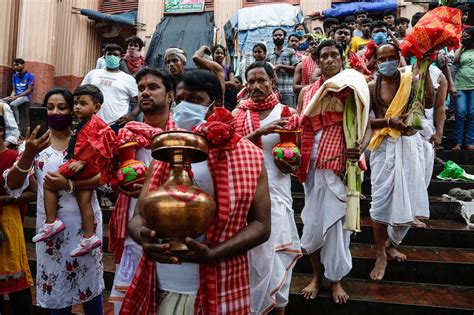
300 33
186 115
379 37
304 46
112 62
388 68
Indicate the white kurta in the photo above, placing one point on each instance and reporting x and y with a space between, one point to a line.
272 262
62 280
399 193
323 217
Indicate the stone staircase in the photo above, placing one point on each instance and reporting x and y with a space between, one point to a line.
437 278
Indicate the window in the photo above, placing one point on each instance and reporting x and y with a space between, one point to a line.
117 6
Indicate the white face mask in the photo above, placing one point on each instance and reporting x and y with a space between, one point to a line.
186 115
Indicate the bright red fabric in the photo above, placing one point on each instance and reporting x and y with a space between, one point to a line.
332 144
142 134
438 28
248 119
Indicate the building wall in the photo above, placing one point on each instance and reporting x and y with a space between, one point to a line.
79 43
8 38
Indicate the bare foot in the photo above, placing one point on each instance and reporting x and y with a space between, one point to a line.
338 294
312 289
379 269
393 253
420 224
456 147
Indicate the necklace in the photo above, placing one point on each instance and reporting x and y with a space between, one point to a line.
378 90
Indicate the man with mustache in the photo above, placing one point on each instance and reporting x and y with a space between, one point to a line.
284 60
155 95
323 161
272 262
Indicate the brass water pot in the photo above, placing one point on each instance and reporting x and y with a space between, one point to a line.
178 208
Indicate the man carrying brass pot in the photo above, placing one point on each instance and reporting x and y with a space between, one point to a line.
212 277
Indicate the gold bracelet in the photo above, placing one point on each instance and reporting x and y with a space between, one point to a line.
22 170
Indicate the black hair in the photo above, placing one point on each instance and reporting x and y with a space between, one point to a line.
202 80
389 12
261 64
343 26
328 43
166 78
239 78
68 97
432 5
464 8
378 24
213 49
19 60
279 29
304 27
361 12
135 39
366 21
329 22
2 125
112 47
260 45
317 28
397 49
349 19
401 20
91 90
416 17
293 35
469 30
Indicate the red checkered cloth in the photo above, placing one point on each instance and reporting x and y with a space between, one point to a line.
356 63
307 69
142 134
248 119
331 146
235 164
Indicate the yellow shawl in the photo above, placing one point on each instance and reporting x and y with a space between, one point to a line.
396 108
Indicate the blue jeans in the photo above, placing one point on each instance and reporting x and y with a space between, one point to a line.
464 117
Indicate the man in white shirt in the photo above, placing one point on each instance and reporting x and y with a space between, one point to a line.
117 87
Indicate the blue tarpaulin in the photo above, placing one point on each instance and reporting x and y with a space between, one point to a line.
344 9
127 18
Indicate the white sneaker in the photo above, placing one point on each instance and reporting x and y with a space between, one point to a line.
49 230
86 245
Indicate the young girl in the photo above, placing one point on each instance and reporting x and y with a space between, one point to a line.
89 153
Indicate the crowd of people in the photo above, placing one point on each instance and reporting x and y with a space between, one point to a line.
243 263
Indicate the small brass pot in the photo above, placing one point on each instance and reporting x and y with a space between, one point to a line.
178 208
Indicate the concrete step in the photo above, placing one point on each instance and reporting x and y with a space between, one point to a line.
461 157
384 297
440 208
437 187
439 233
435 265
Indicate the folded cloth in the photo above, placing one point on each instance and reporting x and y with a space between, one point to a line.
396 108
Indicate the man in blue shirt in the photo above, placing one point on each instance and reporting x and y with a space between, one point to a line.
22 82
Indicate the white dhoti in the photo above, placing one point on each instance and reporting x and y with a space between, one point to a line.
399 193
427 148
271 263
323 217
